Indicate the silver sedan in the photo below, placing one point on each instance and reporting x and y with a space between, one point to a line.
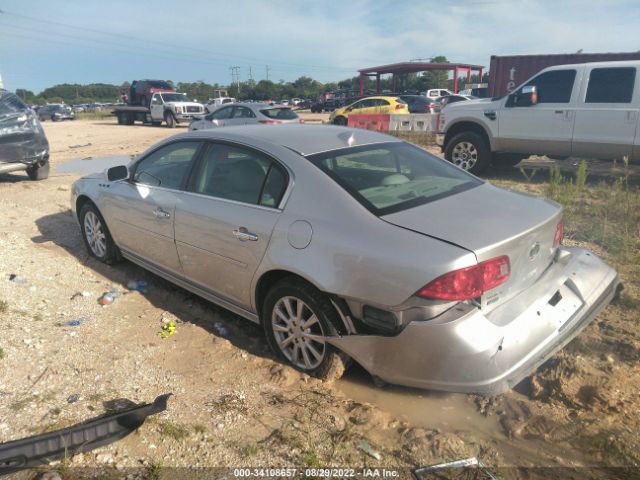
236 114
349 244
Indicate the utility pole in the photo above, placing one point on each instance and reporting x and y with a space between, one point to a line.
250 76
268 68
235 76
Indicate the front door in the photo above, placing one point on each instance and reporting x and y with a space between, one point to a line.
224 224
157 107
607 114
140 211
543 128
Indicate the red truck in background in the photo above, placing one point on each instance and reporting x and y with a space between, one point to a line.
507 72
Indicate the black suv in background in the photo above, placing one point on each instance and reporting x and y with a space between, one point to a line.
55 112
23 144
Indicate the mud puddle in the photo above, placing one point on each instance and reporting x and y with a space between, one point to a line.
423 408
93 165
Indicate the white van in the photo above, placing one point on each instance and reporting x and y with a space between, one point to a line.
585 110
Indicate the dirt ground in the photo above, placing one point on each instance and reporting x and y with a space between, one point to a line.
233 404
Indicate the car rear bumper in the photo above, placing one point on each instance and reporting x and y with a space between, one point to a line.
464 350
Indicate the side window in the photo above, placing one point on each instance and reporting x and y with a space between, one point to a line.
382 103
156 100
611 85
222 114
357 105
554 86
242 112
166 167
239 174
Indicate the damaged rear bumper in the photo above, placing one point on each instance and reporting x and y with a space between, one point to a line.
33 451
465 350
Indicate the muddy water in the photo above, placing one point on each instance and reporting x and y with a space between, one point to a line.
88 165
427 409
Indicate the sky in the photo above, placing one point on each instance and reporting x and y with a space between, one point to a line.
47 42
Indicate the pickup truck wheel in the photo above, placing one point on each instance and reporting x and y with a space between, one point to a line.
297 318
168 118
468 151
39 171
96 235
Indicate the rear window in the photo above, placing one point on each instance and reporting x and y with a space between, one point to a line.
391 177
611 85
279 113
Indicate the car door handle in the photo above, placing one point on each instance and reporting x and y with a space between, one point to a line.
160 213
242 234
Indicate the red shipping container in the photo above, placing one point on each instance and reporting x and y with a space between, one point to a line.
507 72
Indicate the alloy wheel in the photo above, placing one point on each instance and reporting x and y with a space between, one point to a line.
464 155
298 333
94 232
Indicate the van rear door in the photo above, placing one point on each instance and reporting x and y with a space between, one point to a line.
607 112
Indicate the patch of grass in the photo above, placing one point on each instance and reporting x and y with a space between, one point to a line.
248 450
2 354
231 402
152 471
38 317
4 306
199 428
309 458
21 404
101 115
170 429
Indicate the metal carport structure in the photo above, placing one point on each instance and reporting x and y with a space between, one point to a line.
414 67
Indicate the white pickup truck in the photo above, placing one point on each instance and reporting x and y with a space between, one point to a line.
586 110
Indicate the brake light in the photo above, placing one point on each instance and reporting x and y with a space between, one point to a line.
269 121
469 282
559 235
302 120
399 106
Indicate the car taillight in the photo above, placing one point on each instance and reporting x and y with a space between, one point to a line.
399 106
559 235
302 120
269 121
469 282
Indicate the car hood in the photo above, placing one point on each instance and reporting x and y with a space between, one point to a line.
478 103
490 222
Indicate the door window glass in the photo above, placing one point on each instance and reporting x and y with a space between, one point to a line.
166 167
222 114
239 174
242 112
611 85
554 86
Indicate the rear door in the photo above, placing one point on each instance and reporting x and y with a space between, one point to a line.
224 224
222 116
241 116
544 128
607 113
140 211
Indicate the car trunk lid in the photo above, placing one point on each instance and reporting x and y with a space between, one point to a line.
490 222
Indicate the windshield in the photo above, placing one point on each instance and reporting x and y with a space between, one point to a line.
279 113
390 177
174 97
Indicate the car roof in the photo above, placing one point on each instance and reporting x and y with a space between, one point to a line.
303 139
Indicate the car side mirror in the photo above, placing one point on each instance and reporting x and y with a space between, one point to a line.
113 174
527 97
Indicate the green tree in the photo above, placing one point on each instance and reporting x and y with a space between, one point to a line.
436 78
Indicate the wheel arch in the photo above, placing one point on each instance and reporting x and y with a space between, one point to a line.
468 126
268 279
81 201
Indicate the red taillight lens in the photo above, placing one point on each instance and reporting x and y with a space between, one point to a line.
469 282
559 235
399 106
269 121
302 120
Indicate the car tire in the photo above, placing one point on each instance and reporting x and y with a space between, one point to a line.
39 171
468 151
340 121
54 118
170 120
96 235
304 346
